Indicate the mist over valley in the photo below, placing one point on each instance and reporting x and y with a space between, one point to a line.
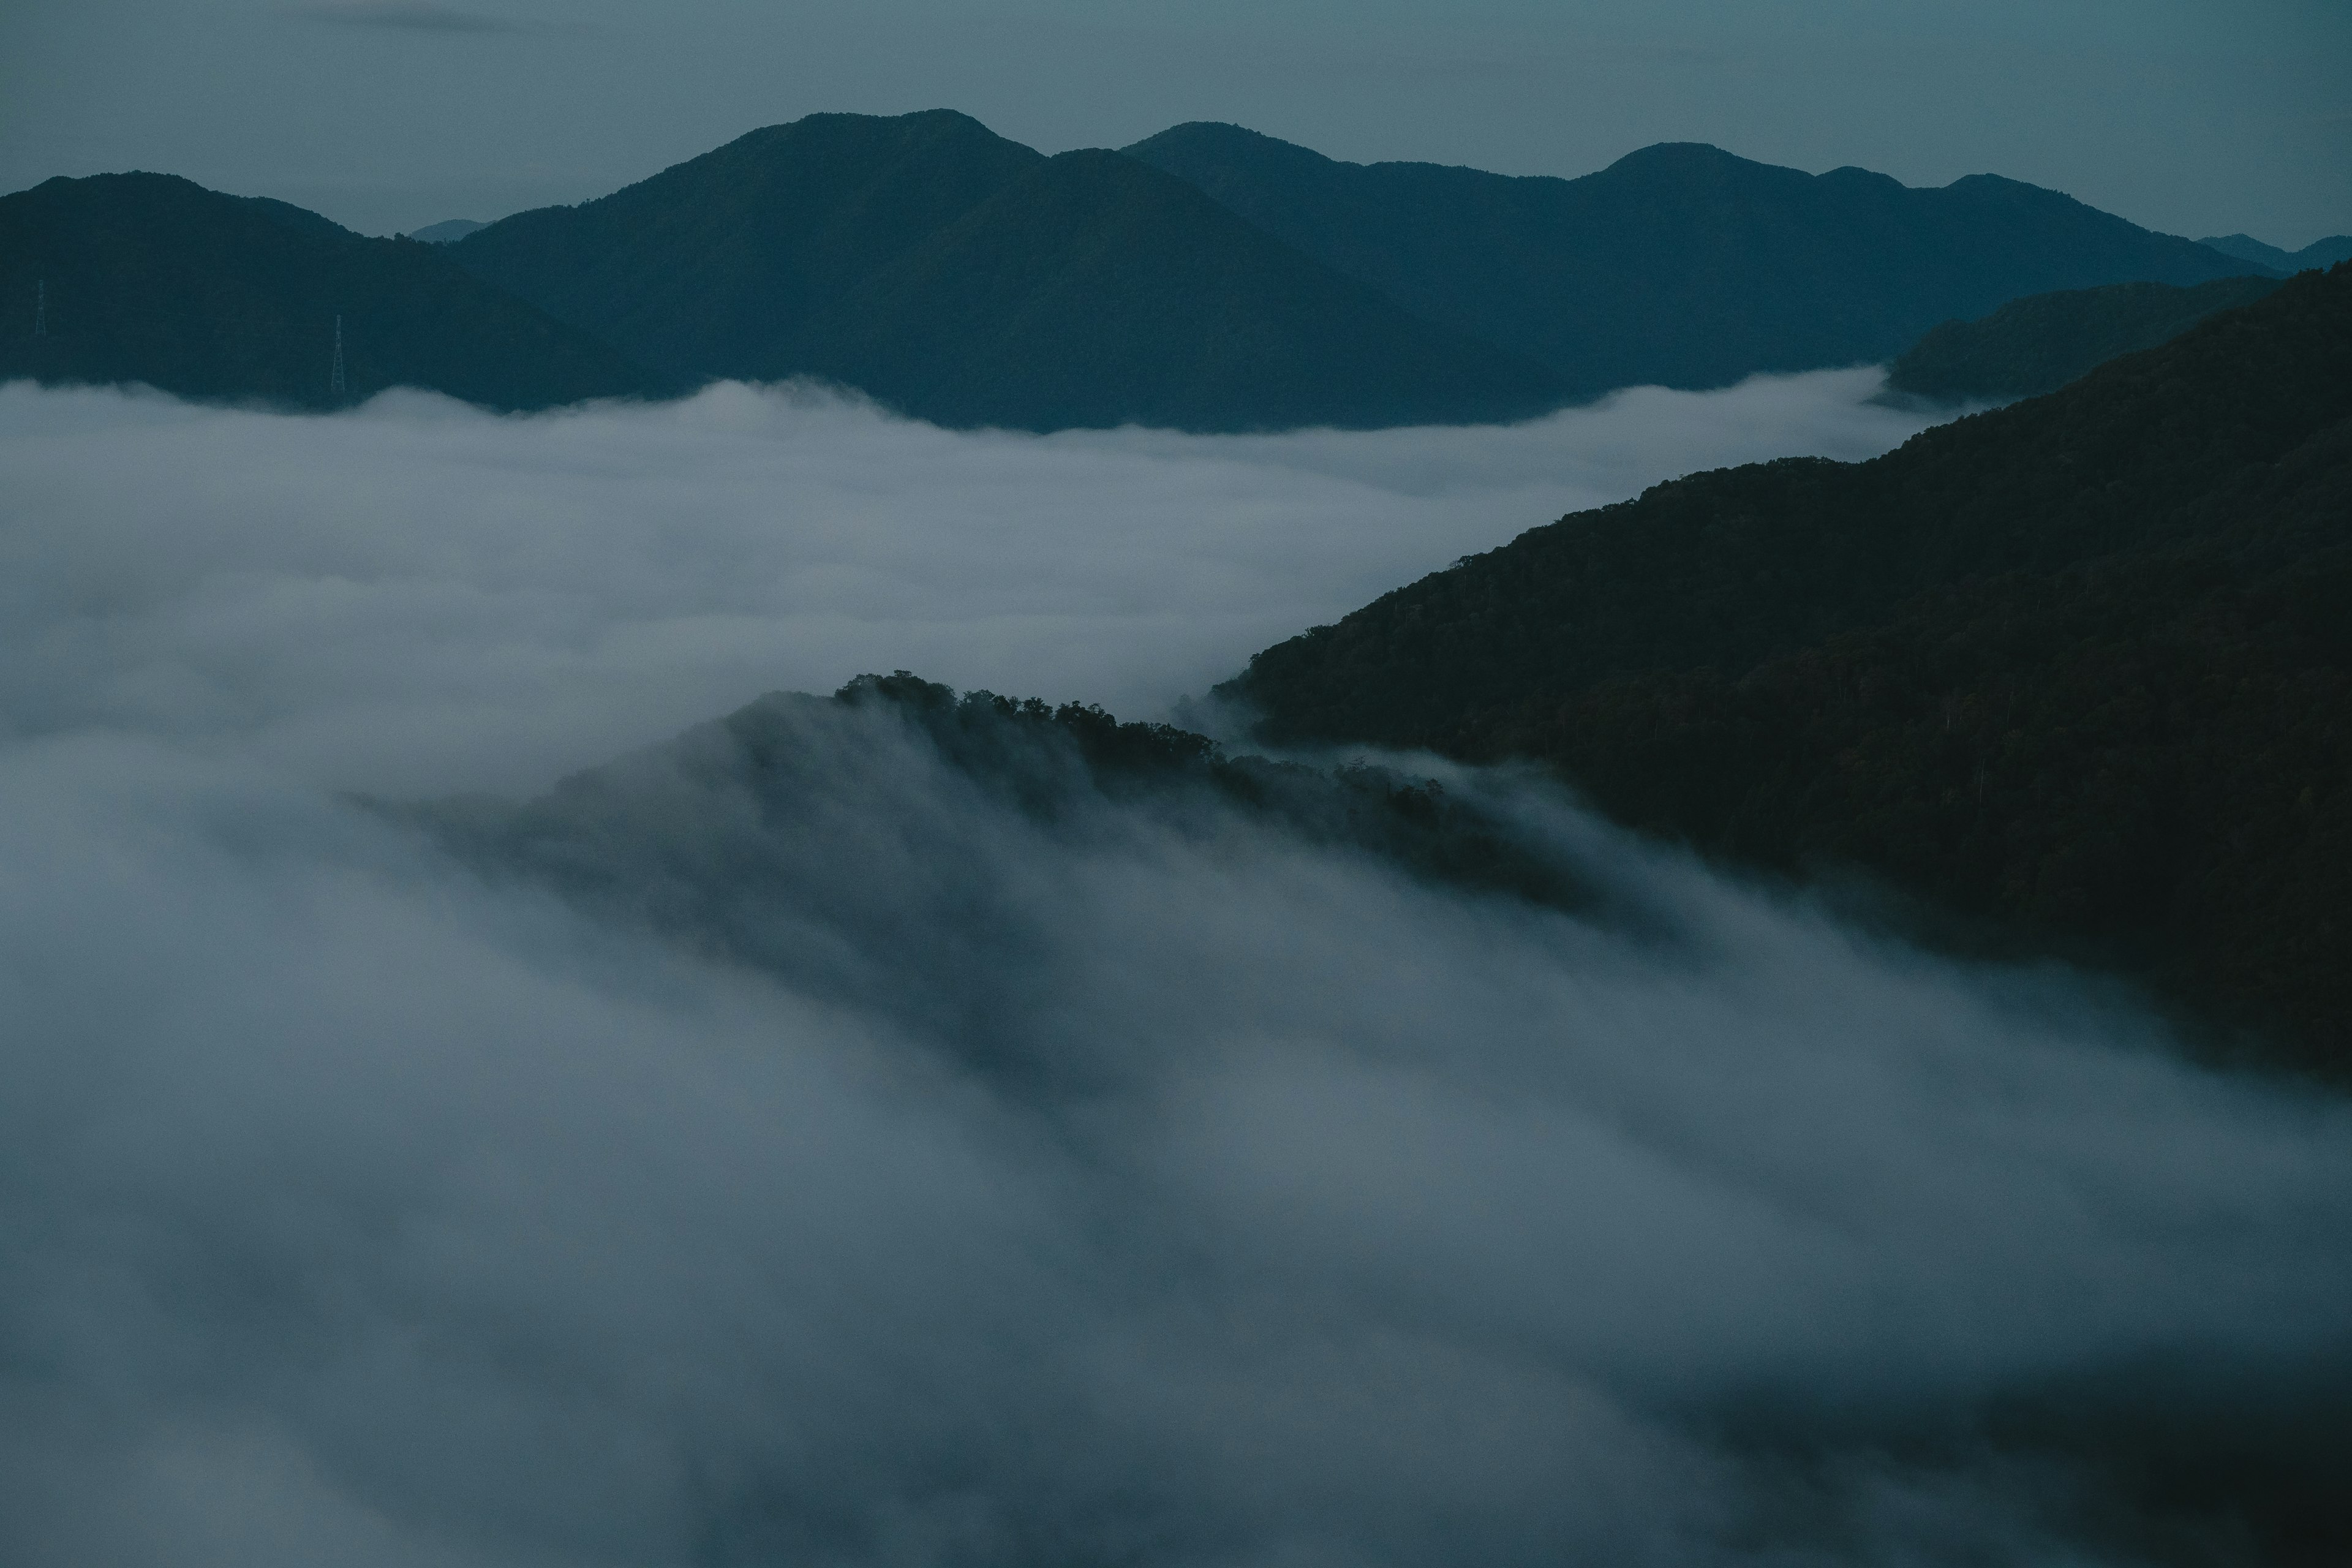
920 847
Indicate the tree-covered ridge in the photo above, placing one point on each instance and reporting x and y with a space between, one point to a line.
2077 669
637 834
153 278
2040 343
1680 264
967 279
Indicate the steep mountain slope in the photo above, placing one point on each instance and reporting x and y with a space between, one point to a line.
966 279
2040 343
1679 264
153 278
2326 252
1095 290
2078 667
719 266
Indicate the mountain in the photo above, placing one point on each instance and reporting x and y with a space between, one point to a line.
1048 764
446 231
150 277
1679 264
966 279
2078 668
1094 290
2040 343
2326 252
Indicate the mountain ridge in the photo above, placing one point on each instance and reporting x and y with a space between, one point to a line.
2042 342
2075 668
153 278
2320 253
1679 263
899 228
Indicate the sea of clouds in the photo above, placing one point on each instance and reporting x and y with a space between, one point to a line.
880 1170
417 596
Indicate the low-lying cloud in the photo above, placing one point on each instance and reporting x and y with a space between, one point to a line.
785 1145
419 596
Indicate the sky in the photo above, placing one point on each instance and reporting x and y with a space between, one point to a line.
787 1143
2181 115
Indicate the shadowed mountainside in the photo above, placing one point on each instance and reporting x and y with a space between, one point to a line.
2078 670
153 278
1679 264
968 279
2039 344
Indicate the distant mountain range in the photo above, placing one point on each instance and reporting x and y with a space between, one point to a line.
2040 343
2326 252
2077 667
1680 264
1207 279
150 277
968 279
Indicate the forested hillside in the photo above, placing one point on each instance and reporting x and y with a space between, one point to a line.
2078 670
1680 264
2040 343
153 278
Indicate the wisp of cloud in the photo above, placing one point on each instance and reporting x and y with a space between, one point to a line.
796 1141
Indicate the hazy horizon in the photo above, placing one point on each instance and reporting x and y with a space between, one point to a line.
387 115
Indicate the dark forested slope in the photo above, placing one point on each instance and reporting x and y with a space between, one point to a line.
2040 343
966 279
1679 264
2081 666
150 277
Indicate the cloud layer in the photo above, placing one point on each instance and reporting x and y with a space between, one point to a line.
790 1145
419 596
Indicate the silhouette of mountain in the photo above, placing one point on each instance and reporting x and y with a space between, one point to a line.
2326 252
1210 279
966 279
150 277
2039 344
1679 264
2077 667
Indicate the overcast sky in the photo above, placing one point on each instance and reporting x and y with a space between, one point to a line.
2184 115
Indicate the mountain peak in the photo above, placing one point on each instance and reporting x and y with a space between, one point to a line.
1661 154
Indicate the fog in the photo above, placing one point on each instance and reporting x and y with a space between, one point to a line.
416 595
790 1142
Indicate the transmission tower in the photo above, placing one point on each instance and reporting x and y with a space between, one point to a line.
41 311
335 388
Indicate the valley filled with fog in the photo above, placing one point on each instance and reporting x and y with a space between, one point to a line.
421 596
790 1142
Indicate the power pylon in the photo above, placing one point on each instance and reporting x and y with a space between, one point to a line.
41 311
335 388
